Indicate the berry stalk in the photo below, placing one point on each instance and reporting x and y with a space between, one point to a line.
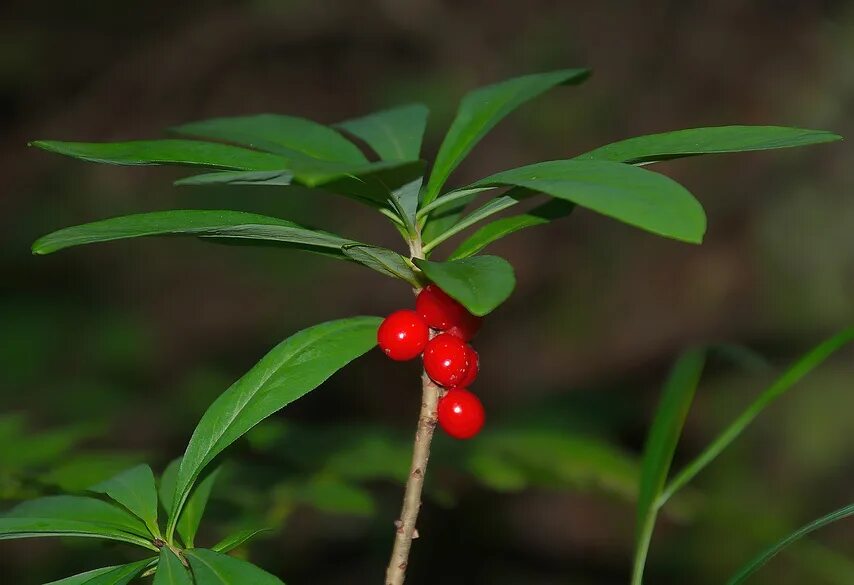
405 526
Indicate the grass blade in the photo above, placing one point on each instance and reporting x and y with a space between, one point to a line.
771 552
790 377
660 447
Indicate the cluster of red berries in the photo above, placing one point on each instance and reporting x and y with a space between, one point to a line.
448 359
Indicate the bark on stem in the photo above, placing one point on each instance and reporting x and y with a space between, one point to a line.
405 526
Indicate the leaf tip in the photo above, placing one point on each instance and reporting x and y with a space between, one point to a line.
39 248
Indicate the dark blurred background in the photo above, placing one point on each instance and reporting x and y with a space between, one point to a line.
110 354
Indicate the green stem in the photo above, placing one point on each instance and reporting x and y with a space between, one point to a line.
642 546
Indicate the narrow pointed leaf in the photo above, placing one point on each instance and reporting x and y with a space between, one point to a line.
293 368
121 575
170 570
213 568
394 134
370 183
194 509
166 489
271 178
237 539
489 208
629 194
135 490
225 225
543 214
83 578
446 211
288 136
117 575
481 110
166 152
773 551
90 511
480 283
382 260
661 445
780 386
450 201
14 528
405 200
713 140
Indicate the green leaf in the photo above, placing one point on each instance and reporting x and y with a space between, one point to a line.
481 110
369 183
80 508
73 516
661 445
77 472
393 134
83 578
375 180
213 568
445 211
166 152
168 479
771 552
236 226
269 178
293 368
285 135
382 260
118 575
235 540
194 509
451 201
629 194
551 210
714 140
489 208
14 528
134 489
170 570
405 201
480 283
780 386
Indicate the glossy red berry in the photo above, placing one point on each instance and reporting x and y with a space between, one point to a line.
466 328
442 312
446 359
474 368
461 414
403 335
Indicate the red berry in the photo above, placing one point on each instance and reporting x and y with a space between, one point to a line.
461 414
474 368
467 327
442 312
403 335
446 359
